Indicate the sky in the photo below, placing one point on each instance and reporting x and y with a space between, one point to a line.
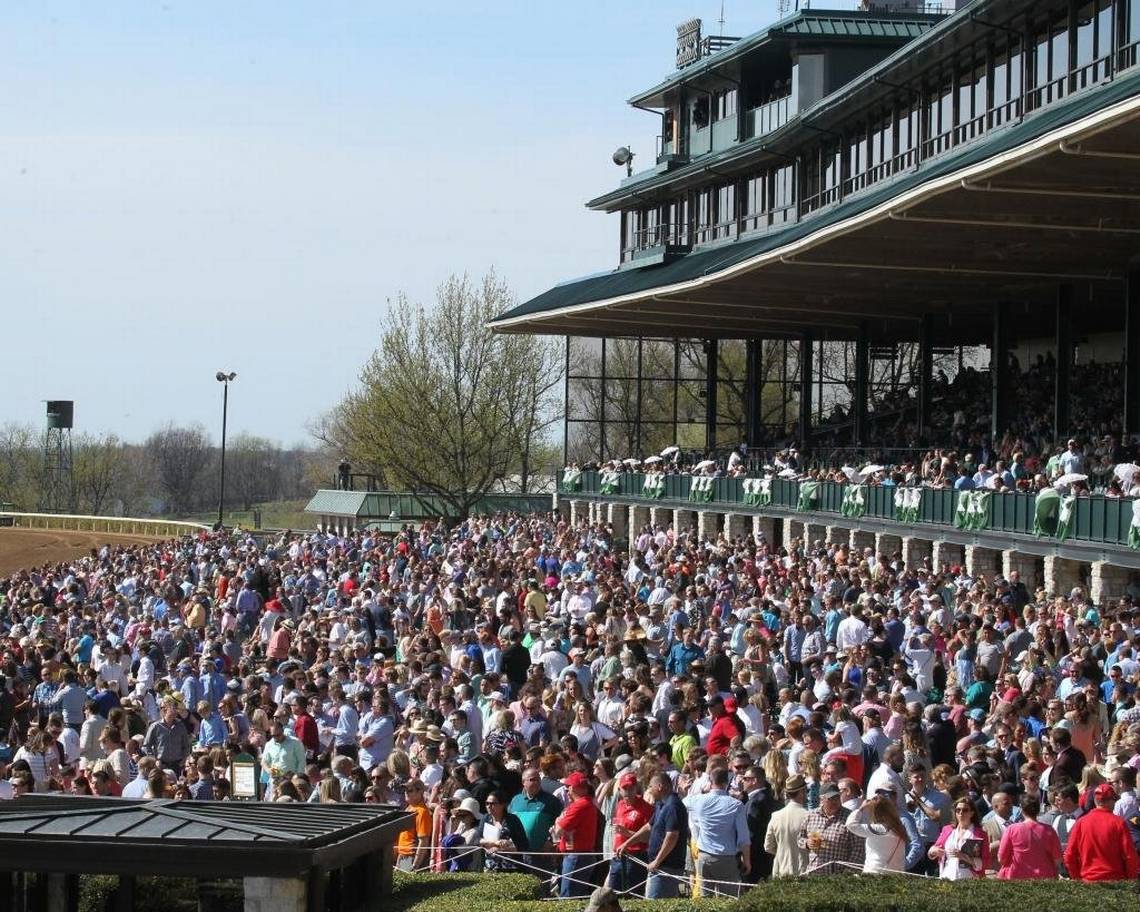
195 186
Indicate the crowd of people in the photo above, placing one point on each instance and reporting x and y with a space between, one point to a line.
1103 466
668 715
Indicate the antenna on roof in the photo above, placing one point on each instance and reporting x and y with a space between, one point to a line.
721 19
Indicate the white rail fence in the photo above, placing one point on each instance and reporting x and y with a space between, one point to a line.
113 525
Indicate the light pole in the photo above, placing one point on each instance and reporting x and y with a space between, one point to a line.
223 378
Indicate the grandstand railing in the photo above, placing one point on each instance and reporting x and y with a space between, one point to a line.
1096 519
112 525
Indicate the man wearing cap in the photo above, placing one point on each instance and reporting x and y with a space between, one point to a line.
720 825
576 830
630 824
831 847
1100 847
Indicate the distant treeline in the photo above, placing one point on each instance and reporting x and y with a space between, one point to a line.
175 472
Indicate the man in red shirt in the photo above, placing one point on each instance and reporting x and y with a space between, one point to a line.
631 819
724 727
1100 847
577 833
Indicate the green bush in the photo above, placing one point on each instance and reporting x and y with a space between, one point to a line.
521 893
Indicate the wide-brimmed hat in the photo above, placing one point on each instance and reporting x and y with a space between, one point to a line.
433 733
794 784
470 805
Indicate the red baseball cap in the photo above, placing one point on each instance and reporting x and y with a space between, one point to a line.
1105 792
627 779
576 780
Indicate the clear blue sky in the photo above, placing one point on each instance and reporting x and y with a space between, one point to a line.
188 186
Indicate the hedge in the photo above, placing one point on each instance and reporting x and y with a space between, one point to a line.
852 893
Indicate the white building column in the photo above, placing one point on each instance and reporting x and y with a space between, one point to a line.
764 529
982 561
1061 575
887 543
1107 582
916 552
708 524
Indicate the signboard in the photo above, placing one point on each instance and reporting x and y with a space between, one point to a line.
688 42
243 777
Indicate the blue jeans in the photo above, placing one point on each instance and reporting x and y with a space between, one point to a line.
627 872
572 866
660 886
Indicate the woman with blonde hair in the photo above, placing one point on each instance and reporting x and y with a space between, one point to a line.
776 769
809 769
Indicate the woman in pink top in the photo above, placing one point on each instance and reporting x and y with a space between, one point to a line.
1029 850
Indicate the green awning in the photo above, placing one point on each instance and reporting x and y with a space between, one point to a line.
337 503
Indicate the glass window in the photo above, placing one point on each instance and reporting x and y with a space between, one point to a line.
726 211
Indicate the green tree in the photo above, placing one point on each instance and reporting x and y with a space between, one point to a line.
445 406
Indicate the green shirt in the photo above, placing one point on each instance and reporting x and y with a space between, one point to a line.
680 745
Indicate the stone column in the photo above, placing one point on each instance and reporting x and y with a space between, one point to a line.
618 517
1025 565
946 554
579 510
708 523
1108 582
661 516
684 520
860 539
736 525
916 552
982 561
836 535
764 529
638 518
562 505
275 894
888 544
1061 575
793 529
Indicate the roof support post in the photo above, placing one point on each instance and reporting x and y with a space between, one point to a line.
1063 369
925 373
712 360
566 406
804 425
999 372
1132 352
862 359
753 370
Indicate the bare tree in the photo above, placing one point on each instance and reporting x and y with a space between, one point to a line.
253 470
21 465
180 456
98 466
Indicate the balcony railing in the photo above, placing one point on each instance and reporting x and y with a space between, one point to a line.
1095 519
766 118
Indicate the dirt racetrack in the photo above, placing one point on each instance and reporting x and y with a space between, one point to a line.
33 547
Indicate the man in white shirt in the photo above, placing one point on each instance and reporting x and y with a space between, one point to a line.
852 631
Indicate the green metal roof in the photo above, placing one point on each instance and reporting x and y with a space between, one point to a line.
337 503
829 24
834 25
622 282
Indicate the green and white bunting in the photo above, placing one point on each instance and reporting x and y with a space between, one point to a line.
1065 517
610 483
1134 529
1045 510
701 489
571 479
757 492
654 486
908 504
809 496
973 510
854 500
